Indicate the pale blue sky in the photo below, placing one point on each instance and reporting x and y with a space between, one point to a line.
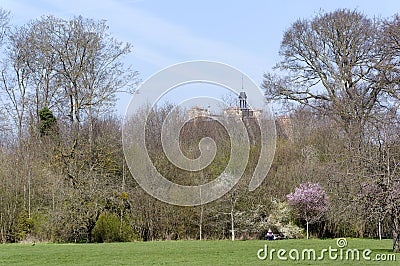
244 34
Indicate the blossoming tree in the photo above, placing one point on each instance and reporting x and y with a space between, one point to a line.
309 201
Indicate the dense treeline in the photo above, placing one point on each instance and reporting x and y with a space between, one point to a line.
61 151
63 172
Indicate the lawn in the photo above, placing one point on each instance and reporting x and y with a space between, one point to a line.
222 252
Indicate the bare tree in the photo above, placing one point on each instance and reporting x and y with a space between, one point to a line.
4 23
380 191
43 64
15 78
389 77
91 66
331 62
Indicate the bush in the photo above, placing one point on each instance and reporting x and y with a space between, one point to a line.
108 228
24 226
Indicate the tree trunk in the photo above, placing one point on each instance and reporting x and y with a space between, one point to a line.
29 195
233 203
201 222
91 137
396 235
90 227
380 229
232 225
2 236
307 228
201 209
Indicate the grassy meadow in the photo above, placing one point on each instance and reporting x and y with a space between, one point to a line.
221 252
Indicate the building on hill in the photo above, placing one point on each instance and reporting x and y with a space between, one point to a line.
242 110
197 111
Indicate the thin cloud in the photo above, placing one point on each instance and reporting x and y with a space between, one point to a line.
156 41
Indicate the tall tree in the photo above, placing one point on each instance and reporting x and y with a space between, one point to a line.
331 62
15 77
344 65
4 23
379 193
389 78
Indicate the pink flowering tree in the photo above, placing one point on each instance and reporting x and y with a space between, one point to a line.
309 201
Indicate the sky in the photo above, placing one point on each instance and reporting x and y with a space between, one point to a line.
243 34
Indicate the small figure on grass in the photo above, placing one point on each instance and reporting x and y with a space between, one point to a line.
270 234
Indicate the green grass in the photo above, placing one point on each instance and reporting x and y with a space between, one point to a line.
222 252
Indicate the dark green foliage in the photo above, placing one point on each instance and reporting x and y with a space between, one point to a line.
25 226
47 121
110 228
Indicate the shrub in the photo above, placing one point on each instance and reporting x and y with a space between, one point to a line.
110 228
